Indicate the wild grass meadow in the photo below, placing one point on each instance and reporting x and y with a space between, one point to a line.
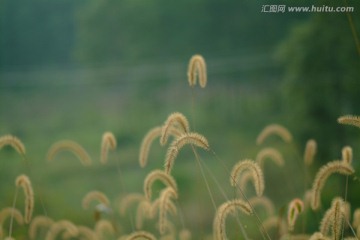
176 155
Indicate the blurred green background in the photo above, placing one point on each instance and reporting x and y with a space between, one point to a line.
75 69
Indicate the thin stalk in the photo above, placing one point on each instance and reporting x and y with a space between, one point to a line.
345 199
353 29
12 214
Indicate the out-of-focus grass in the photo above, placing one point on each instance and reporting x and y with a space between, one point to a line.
230 114
222 113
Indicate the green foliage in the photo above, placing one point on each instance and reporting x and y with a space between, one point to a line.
48 33
321 79
129 30
320 84
36 33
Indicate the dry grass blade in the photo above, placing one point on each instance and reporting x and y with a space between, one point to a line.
13 142
165 198
265 202
274 129
349 120
186 138
347 154
108 143
296 206
175 120
271 153
165 178
129 199
170 231
197 68
222 212
72 146
140 235
9 212
95 196
24 182
62 225
318 236
333 219
275 222
142 212
310 151
338 217
37 222
356 218
323 174
146 144
87 233
184 234
326 221
255 171
149 139
103 228
244 179
170 207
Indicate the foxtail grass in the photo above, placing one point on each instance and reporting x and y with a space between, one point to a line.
197 70
108 143
269 153
256 173
223 211
274 129
72 146
39 222
349 120
97 196
296 206
192 138
14 142
60 226
321 177
160 175
310 151
175 120
24 182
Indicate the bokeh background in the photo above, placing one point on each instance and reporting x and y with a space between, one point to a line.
75 69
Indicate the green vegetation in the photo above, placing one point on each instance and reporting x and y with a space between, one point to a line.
74 70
